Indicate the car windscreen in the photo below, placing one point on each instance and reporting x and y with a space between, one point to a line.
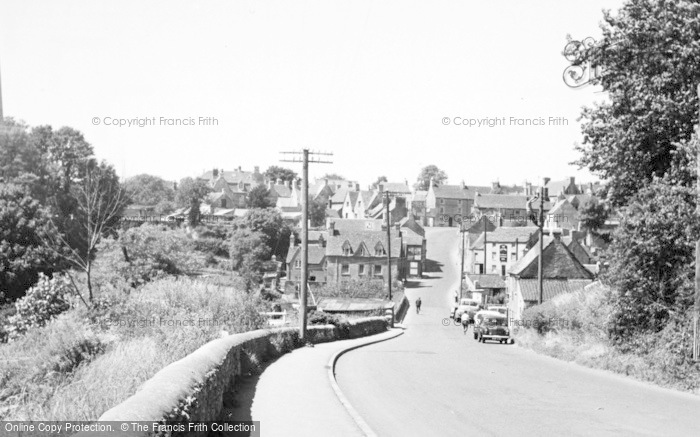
496 321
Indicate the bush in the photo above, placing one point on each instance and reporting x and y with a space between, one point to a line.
148 252
45 300
323 318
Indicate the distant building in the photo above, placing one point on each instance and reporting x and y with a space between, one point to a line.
447 205
504 247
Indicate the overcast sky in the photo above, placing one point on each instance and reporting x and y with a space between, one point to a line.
369 81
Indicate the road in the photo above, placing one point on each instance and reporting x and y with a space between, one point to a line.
434 380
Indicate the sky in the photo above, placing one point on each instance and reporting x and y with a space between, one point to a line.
385 87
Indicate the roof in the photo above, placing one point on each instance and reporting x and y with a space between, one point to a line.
411 238
506 235
281 190
367 196
334 247
487 281
396 187
357 224
507 201
316 254
458 191
557 262
497 188
551 287
339 195
234 177
353 197
419 196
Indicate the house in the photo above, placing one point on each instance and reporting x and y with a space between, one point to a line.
316 264
487 288
362 254
504 247
236 184
416 205
562 216
497 188
413 238
397 210
509 209
446 205
566 187
561 273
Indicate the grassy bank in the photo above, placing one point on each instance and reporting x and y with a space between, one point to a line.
573 327
84 362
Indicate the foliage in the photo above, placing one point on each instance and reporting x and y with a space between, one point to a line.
652 257
428 172
269 222
274 173
317 212
333 176
259 197
248 252
17 152
190 194
145 189
24 224
147 252
45 300
649 58
364 288
379 180
340 322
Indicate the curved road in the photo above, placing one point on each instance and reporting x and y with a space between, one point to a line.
434 380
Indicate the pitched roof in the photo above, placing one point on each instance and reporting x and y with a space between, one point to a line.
282 190
339 195
334 247
551 287
367 196
419 196
488 281
458 191
411 238
506 201
357 224
316 254
396 187
353 197
506 235
557 263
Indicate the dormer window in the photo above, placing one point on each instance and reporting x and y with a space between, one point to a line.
379 250
347 249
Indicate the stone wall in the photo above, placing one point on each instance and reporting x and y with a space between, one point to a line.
199 386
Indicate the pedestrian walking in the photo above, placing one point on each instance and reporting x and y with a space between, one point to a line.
465 322
418 302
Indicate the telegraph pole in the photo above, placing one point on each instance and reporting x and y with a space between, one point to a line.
462 230
539 258
304 229
387 201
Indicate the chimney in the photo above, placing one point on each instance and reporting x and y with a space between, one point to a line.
278 182
464 186
174 186
239 168
292 240
572 180
215 173
357 187
288 184
380 186
325 182
495 185
256 169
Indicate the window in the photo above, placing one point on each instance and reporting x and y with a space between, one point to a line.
345 269
513 256
442 210
223 203
347 249
442 201
493 269
493 256
377 270
379 250
361 269
297 264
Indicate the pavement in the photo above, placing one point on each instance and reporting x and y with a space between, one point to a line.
435 380
296 395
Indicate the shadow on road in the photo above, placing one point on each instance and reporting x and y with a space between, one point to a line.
432 266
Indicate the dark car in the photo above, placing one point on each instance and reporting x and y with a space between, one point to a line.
491 325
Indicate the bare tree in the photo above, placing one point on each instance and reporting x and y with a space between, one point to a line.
98 203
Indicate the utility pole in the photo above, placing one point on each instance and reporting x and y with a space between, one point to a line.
387 201
304 229
462 230
539 222
485 231
696 313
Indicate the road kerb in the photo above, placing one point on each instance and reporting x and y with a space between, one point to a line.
336 388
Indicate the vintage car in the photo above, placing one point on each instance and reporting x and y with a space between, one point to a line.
498 308
468 307
491 325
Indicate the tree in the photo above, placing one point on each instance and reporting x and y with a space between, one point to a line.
652 255
17 153
98 203
428 172
258 197
145 189
649 58
270 224
190 193
380 179
248 252
274 172
317 212
24 224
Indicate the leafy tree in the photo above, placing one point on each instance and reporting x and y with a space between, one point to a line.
145 189
428 172
594 213
258 197
17 152
380 179
248 252
190 193
24 224
269 222
652 257
650 58
275 172
317 212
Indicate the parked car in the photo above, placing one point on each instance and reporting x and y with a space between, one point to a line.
499 308
467 307
491 325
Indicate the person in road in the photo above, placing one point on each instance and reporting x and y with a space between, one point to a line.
418 302
465 322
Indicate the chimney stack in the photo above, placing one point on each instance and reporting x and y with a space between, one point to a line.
288 184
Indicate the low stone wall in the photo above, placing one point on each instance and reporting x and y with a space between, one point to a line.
401 309
199 386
